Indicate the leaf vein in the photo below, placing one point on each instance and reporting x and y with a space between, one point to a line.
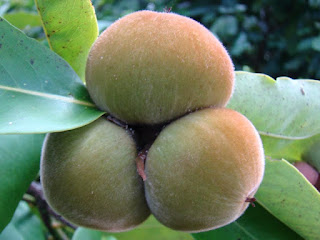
268 134
245 231
47 95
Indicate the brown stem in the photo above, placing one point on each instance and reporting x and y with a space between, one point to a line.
140 162
251 201
117 122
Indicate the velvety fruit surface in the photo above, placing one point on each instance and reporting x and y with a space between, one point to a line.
150 67
89 176
202 168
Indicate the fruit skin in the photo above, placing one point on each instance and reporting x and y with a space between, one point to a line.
89 177
202 168
150 68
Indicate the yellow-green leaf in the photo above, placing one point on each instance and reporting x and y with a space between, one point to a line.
71 28
287 195
285 112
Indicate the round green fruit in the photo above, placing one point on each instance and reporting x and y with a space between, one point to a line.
89 176
203 170
150 68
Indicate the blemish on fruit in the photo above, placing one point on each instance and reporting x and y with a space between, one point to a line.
251 201
140 161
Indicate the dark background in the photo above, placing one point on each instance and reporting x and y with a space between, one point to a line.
279 38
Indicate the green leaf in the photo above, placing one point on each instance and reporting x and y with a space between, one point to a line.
39 91
85 234
287 194
225 26
312 156
23 19
316 43
285 112
150 229
19 165
24 226
71 28
256 223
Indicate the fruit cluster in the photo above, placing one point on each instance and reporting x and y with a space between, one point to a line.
203 163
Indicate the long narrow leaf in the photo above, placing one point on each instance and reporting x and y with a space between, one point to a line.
71 27
255 224
39 91
286 194
19 165
285 112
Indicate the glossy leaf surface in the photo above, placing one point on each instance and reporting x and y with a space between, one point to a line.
39 91
285 112
19 165
24 226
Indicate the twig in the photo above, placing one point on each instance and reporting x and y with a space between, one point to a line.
35 190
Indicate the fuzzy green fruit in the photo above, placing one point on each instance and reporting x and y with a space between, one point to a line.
150 68
203 169
89 176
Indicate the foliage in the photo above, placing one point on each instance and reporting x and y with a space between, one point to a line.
265 35
261 35
19 161
40 92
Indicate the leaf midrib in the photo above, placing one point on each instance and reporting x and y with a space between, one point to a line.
47 95
268 134
76 101
245 231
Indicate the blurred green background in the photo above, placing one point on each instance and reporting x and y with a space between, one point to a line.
279 38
